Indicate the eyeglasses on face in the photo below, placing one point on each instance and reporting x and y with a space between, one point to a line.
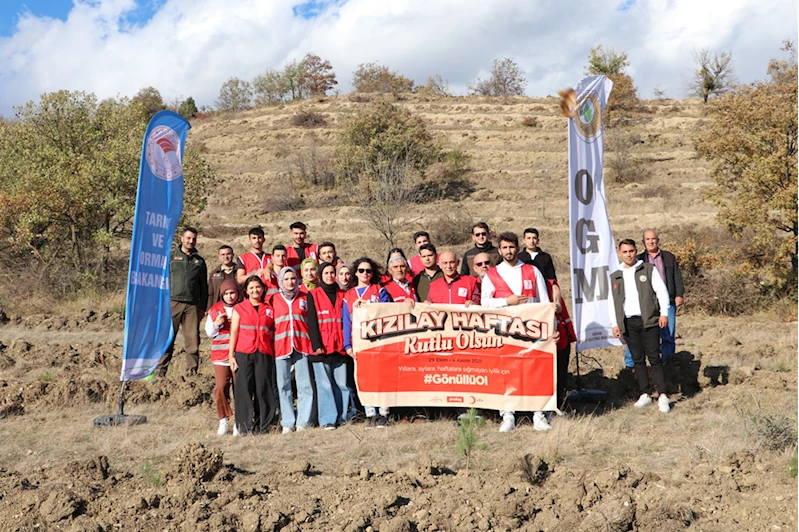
481 234
364 270
481 264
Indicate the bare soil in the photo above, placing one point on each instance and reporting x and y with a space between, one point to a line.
708 465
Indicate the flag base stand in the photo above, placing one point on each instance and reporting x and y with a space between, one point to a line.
584 395
120 418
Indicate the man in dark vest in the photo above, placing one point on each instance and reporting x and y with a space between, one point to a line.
639 309
669 270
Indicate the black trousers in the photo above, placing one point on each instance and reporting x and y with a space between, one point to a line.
255 398
563 373
644 343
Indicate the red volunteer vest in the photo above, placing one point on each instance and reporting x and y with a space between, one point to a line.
293 259
457 293
501 288
220 344
329 318
252 262
291 326
565 326
398 293
271 288
254 328
372 295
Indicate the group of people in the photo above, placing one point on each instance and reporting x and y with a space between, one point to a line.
267 313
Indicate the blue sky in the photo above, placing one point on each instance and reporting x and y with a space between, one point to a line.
191 47
10 11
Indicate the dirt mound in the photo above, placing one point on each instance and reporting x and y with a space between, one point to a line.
195 462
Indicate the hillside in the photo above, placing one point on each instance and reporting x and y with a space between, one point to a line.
518 173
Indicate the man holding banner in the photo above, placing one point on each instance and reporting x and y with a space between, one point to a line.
514 283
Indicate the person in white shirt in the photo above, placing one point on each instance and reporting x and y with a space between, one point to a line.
511 283
639 306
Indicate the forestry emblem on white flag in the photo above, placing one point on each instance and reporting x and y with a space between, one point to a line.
593 253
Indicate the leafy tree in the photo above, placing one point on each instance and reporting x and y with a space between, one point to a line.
150 101
435 86
713 74
68 176
506 80
235 95
187 108
373 77
294 74
383 133
605 62
752 142
624 96
318 76
270 87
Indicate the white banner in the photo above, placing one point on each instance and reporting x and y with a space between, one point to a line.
593 251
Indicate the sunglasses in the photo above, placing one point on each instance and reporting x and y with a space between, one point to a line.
480 234
364 270
486 263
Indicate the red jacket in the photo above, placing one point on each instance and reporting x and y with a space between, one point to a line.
291 325
501 288
328 316
372 294
458 292
293 259
252 262
398 293
255 328
220 344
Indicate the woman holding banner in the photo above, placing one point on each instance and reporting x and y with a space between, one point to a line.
249 358
292 347
366 291
327 339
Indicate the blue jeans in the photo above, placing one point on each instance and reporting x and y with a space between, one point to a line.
302 375
668 346
332 392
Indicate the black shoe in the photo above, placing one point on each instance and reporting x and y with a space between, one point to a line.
382 422
371 422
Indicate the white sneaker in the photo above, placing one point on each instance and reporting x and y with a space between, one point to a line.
663 403
300 428
222 430
287 430
508 422
643 401
540 422
235 430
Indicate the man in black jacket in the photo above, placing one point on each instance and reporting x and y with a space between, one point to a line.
188 291
669 270
481 236
532 254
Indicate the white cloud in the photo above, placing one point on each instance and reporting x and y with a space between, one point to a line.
190 47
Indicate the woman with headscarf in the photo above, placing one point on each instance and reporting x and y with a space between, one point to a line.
366 291
249 356
292 346
344 277
327 339
217 327
310 275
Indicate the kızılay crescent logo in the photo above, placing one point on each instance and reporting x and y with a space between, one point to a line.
162 151
589 117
